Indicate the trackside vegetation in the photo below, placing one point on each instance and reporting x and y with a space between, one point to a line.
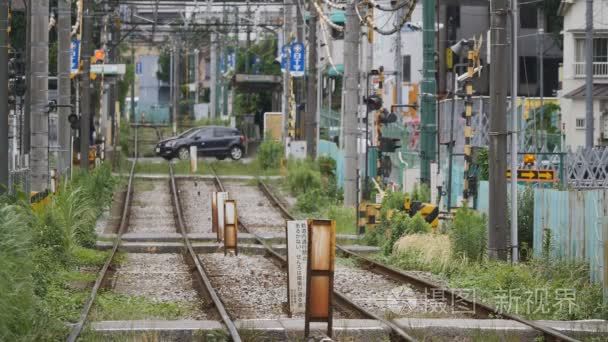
47 260
537 288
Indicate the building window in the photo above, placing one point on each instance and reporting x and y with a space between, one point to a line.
527 69
407 68
580 123
600 50
528 18
453 15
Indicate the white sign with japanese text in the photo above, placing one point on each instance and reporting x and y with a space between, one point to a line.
297 255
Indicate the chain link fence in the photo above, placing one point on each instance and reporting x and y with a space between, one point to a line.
19 181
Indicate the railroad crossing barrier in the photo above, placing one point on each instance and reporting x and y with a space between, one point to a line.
429 211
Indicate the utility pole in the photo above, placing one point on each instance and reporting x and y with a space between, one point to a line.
64 19
176 87
85 83
27 107
498 231
589 124
398 60
213 71
515 126
351 101
428 129
287 31
4 158
311 91
39 95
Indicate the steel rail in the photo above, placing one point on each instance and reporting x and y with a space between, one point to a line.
480 309
341 298
124 219
232 330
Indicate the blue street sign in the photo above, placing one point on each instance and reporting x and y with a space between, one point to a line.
75 51
284 57
138 68
231 61
297 60
222 64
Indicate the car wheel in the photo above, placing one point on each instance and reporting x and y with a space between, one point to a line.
222 157
236 152
183 153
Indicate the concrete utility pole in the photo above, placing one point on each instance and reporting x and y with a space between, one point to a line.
589 124
498 230
428 125
351 101
39 95
213 71
514 125
398 59
176 87
4 158
64 20
311 91
86 51
27 106
287 31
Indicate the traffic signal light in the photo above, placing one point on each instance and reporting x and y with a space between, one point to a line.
374 102
386 117
389 144
74 121
386 166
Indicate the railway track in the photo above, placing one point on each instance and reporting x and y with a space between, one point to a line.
481 311
341 299
173 262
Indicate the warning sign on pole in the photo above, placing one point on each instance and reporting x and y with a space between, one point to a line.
297 255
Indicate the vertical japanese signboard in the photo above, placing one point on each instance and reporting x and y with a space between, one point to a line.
221 198
297 255
320 273
297 60
284 57
230 226
75 56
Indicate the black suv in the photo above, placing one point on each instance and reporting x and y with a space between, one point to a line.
220 142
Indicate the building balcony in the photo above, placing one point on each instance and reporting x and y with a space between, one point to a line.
600 69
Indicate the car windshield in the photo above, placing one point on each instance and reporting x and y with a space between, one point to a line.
188 133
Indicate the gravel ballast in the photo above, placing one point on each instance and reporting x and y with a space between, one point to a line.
385 297
255 210
151 209
159 277
196 208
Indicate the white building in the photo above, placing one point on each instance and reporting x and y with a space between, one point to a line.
572 95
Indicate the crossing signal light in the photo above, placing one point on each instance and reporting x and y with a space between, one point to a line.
374 102
74 121
386 166
386 117
389 144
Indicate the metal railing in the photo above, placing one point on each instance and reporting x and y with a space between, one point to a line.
600 69
19 181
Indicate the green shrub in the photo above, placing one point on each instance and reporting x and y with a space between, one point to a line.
393 200
303 176
421 193
269 154
468 235
398 225
525 219
327 166
346 218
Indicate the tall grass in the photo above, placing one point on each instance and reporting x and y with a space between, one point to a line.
38 248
